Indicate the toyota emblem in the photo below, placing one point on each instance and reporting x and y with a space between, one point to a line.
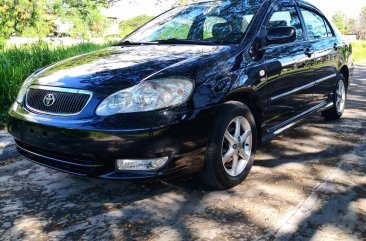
49 100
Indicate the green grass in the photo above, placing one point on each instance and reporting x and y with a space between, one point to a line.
16 64
359 52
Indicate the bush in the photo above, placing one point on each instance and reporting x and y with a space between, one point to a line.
17 64
359 51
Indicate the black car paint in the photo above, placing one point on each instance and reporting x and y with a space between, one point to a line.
87 144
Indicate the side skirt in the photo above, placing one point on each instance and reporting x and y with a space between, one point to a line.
277 130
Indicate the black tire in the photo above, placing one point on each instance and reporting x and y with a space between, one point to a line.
214 173
334 113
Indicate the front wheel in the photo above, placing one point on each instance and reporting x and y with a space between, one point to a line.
231 147
339 100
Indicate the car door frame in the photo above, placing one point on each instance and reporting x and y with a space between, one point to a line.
323 85
296 89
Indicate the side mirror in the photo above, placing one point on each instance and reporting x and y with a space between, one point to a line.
281 35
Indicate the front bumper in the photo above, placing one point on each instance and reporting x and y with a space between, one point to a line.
87 148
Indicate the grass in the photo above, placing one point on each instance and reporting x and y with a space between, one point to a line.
359 52
16 64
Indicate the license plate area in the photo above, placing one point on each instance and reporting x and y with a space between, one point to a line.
40 136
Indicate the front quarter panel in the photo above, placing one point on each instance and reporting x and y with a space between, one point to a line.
346 58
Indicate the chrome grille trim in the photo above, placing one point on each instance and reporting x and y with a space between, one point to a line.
60 90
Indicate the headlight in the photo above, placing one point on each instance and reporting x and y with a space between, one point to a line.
24 88
147 96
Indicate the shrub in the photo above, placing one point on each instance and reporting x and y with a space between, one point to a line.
16 64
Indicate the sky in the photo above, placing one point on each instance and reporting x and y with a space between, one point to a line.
126 9
351 8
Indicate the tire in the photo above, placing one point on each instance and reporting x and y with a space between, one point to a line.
221 145
339 100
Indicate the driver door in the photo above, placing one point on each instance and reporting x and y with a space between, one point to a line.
289 71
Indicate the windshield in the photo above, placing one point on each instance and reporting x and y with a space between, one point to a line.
219 22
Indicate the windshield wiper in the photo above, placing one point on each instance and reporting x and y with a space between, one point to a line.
183 41
128 43
165 41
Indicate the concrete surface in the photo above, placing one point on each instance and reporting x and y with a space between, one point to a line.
309 184
7 146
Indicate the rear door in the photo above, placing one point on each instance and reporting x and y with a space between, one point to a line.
325 45
290 75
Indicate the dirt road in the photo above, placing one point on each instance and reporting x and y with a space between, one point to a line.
309 184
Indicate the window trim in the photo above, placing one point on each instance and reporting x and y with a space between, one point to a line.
328 25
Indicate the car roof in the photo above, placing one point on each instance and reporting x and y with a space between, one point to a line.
306 3
300 1
303 2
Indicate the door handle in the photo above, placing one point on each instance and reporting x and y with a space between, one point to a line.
309 52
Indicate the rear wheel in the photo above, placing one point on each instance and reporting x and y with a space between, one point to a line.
231 147
339 100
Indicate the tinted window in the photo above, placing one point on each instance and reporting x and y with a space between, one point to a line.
316 26
329 29
286 16
218 22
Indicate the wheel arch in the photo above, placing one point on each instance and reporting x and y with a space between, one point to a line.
250 98
346 73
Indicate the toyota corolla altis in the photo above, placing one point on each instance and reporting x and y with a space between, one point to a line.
196 89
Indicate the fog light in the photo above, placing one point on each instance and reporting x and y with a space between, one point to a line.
141 164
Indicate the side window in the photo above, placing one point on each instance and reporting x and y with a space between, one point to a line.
329 29
316 25
286 16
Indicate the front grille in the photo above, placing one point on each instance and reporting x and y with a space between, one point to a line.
61 101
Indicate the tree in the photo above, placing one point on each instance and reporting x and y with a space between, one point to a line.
344 23
85 15
24 17
36 18
157 2
361 28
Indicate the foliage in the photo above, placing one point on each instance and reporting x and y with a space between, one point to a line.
344 23
85 15
128 26
18 63
361 30
181 2
348 25
36 18
24 18
359 52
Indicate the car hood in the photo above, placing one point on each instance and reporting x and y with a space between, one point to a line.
108 70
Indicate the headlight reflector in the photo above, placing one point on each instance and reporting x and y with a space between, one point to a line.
147 96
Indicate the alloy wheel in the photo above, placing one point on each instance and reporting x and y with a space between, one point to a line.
237 146
340 96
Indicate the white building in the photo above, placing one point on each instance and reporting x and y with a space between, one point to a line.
114 23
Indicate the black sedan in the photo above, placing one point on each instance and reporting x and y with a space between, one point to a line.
196 89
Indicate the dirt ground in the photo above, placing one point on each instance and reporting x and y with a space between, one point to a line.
309 184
